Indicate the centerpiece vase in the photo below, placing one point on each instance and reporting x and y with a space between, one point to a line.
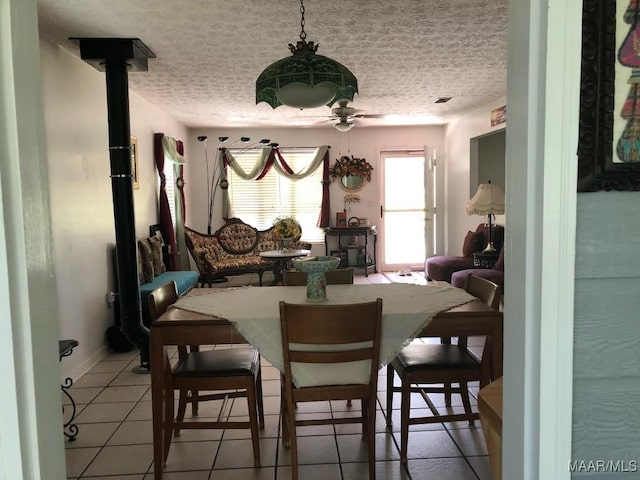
316 281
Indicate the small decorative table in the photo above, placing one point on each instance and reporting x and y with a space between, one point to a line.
282 259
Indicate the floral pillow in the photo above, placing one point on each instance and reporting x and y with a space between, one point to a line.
144 251
155 243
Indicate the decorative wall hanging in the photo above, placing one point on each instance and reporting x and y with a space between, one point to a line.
352 172
609 129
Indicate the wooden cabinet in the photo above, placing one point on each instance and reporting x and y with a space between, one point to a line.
356 246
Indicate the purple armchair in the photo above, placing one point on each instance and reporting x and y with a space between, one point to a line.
444 267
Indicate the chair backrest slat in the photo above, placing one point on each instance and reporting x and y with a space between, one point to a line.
485 290
161 299
308 330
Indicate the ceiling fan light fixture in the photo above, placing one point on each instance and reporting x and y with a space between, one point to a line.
344 126
305 79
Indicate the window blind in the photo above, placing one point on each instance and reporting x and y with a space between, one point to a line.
259 203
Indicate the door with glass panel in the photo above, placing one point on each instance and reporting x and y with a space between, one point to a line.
406 210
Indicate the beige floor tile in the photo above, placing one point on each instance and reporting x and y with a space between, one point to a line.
132 433
93 435
311 450
121 394
105 412
353 448
78 459
271 405
270 388
107 366
441 469
270 373
130 378
142 411
430 444
198 435
387 470
263 473
239 454
81 395
95 380
196 475
271 424
191 456
312 472
482 467
470 440
117 477
120 460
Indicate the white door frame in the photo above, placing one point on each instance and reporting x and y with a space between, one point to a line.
429 181
543 88
31 441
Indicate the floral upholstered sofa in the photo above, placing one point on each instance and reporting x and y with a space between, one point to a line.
234 249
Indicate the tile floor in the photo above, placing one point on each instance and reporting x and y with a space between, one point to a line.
115 435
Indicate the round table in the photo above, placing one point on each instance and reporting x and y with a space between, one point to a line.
281 261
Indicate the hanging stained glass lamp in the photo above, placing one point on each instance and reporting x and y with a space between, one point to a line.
305 79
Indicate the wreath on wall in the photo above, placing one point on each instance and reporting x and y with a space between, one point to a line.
346 166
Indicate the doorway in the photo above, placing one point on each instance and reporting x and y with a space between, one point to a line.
407 196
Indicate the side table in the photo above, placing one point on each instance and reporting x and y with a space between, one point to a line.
485 259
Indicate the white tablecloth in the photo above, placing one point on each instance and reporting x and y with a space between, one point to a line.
407 309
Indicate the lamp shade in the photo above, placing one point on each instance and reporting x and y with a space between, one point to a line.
344 126
489 199
305 80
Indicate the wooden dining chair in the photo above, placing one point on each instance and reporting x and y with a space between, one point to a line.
233 371
340 276
423 367
307 330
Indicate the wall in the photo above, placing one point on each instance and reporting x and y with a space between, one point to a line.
359 142
606 382
81 202
459 132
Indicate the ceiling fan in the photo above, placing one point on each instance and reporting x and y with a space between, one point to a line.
345 116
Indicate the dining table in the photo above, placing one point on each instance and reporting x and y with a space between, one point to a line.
211 316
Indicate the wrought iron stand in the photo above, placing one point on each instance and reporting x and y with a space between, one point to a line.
70 429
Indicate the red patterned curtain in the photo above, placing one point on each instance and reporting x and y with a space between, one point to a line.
324 220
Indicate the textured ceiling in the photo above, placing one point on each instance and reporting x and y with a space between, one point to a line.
405 53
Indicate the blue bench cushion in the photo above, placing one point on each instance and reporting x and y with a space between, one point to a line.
185 280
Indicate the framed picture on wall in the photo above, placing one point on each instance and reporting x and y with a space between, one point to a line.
609 122
134 162
341 219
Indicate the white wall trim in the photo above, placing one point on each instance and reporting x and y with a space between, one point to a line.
543 93
30 398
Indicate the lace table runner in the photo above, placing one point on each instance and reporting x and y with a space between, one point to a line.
254 311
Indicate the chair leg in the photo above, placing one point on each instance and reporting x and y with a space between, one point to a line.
182 408
260 396
405 407
253 420
390 374
447 394
464 393
168 423
365 418
293 442
371 418
284 417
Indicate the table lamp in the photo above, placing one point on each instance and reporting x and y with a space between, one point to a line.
489 201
